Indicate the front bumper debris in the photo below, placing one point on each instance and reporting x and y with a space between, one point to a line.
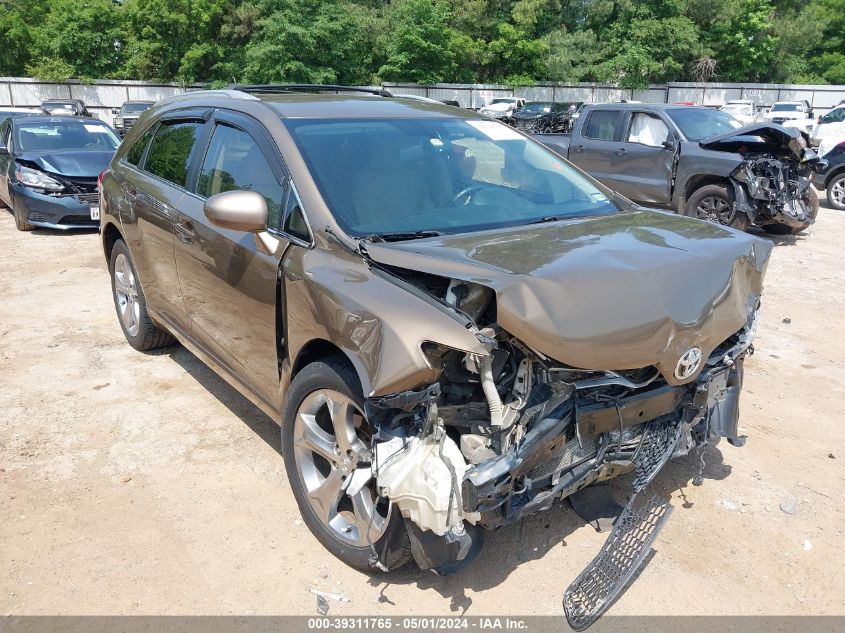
602 581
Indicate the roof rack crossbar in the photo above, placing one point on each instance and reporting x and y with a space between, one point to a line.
282 88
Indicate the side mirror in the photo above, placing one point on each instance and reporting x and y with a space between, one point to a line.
115 110
669 144
238 210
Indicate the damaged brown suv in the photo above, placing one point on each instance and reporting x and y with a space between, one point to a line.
455 327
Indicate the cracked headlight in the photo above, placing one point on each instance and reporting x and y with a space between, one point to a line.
35 179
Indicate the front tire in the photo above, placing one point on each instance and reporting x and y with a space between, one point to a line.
140 330
836 192
714 203
324 438
20 219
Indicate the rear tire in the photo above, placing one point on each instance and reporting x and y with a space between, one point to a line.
714 203
812 203
140 330
311 439
20 220
836 192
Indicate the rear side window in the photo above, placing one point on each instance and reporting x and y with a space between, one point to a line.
235 161
133 156
601 125
171 150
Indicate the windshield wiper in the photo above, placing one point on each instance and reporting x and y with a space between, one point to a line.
399 236
550 218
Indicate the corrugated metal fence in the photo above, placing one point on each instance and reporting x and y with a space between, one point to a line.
822 98
102 96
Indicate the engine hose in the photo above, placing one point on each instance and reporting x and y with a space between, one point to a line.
494 402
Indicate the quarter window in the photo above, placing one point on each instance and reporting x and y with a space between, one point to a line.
133 156
235 161
601 125
295 218
170 152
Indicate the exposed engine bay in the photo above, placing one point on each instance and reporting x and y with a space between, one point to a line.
509 433
775 175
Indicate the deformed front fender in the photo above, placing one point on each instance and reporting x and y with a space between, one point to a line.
376 320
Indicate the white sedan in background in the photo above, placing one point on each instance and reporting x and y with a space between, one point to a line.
743 110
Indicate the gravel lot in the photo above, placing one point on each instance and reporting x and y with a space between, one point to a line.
138 483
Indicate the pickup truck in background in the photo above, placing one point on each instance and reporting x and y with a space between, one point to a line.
797 114
696 161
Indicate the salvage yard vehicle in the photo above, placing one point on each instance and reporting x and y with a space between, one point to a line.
65 107
542 116
797 114
831 177
502 108
49 167
455 327
829 127
698 162
743 110
127 115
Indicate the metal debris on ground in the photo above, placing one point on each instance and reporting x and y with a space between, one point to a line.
323 598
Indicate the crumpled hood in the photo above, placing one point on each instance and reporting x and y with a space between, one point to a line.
615 292
761 136
70 163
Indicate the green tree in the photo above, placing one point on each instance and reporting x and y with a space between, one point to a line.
308 42
572 55
743 40
418 47
84 39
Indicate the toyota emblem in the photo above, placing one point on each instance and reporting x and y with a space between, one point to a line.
688 363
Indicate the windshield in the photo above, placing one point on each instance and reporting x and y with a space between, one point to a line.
536 108
508 101
785 107
444 175
134 108
58 105
63 135
699 123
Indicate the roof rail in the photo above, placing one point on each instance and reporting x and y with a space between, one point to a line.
282 88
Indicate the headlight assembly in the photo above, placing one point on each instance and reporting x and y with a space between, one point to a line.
35 179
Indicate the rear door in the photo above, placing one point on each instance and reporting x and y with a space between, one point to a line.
228 279
645 158
151 193
595 149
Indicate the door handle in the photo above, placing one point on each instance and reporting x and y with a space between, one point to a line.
578 149
621 151
186 232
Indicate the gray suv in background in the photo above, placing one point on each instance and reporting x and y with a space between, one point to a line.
127 115
454 327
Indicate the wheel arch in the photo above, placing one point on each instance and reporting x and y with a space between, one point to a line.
110 235
319 349
836 171
702 180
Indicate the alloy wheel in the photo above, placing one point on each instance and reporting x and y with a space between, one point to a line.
330 440
714 209
126 294
837 192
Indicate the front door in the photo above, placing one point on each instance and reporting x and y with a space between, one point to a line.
229 282
5 160
648 151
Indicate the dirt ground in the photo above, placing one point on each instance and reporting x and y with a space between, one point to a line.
138 483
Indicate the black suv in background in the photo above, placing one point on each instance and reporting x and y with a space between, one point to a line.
544 116
65 107
127 115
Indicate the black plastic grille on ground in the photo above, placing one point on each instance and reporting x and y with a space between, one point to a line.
627 545
658 443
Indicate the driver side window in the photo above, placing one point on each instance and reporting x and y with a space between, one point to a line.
647 129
